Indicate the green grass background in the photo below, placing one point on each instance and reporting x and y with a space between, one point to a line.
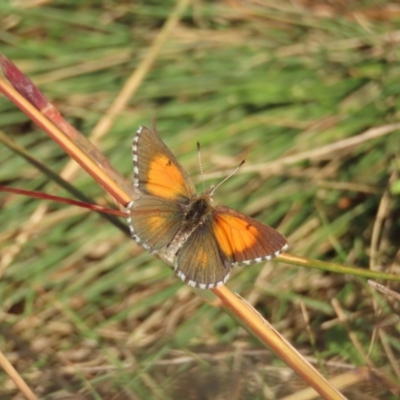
85 312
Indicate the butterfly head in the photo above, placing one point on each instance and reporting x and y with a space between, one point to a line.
210 193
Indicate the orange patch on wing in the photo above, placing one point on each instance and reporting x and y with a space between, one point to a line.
202 259
156 222
234 234
164 178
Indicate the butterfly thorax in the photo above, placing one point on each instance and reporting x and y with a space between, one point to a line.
196 211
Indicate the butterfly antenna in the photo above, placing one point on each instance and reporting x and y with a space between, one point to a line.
224 180
200 165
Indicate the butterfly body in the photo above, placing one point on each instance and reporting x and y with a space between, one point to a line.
195 213
202 241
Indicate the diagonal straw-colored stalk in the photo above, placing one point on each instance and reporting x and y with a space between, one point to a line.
254 322
16 377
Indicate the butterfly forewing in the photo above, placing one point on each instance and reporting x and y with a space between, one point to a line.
157 171
244 240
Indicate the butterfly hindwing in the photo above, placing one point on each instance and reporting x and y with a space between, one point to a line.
156 170
244 240
199 262
154 221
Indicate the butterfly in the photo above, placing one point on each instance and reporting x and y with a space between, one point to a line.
168 217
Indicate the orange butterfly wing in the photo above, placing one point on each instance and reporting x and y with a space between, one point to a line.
224 239
156 170
244 240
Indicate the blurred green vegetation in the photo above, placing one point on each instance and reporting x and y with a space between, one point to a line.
85 311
